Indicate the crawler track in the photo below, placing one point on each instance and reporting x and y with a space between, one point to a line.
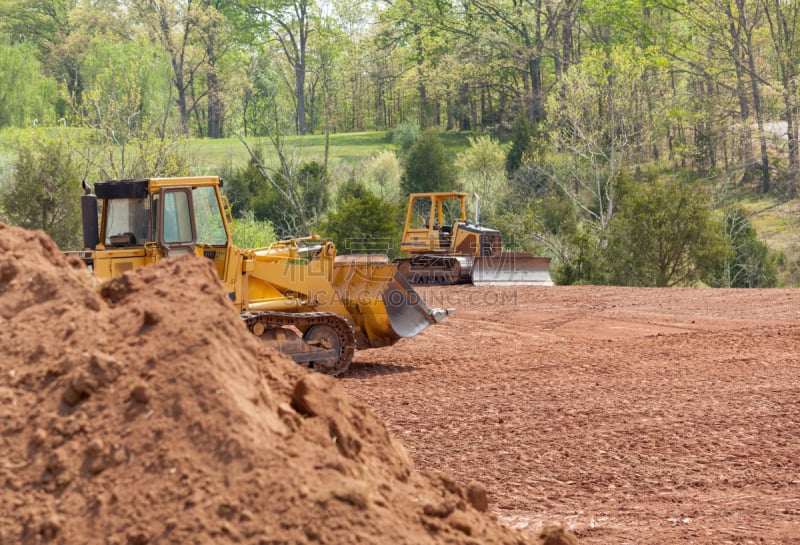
305 322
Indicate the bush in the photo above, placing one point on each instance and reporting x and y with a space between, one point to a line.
522 134
252 233
664 234
405 135
582 262
363 223
292 208
750 263
45 193
383 169
427 167
481 171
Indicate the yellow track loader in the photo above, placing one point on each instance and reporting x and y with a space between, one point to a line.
443 247
297 295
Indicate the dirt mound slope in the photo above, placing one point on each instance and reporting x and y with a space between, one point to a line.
146 413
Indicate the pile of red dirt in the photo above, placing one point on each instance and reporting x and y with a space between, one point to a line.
144 412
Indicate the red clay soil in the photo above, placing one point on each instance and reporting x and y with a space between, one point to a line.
147 414
641 416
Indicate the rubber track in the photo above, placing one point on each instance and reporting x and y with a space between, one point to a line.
304 320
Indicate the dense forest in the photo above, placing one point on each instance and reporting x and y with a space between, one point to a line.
624 138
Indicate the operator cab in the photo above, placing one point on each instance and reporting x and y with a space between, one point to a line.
142 220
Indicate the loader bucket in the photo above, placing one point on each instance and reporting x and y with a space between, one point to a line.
382 303
408 313
511 269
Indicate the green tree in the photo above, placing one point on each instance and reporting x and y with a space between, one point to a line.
427 167
522 133
581 259
664 234
594 132
750 263
26 97
244 186
481 170
783 20
290 24
173 25
127 103
45 193
363 223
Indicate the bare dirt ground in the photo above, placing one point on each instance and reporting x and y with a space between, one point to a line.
631 415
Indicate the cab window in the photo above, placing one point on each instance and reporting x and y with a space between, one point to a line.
177 218
128 219
208 215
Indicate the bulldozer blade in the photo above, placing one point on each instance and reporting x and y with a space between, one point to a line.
408 313
511 269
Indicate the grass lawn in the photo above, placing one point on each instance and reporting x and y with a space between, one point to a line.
209 156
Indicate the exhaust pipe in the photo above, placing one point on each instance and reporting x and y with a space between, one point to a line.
477 200
91 231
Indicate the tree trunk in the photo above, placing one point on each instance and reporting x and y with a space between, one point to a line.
300 86
746 138
215 103
183 108
215 107
758 109
534 76
762 136
792 134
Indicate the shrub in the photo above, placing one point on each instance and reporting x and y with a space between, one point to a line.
664 234
405 135
750 263
252 233
45 193
363 223
427 167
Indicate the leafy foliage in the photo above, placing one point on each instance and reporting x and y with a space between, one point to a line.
252 233
427 166
582 261
243 187
522 134
45 193
405 135
750 264
363 223
665 234
26 97
292 206
129 114
383 169
481 170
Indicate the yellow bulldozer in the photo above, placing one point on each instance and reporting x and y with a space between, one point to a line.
443 247
297 295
